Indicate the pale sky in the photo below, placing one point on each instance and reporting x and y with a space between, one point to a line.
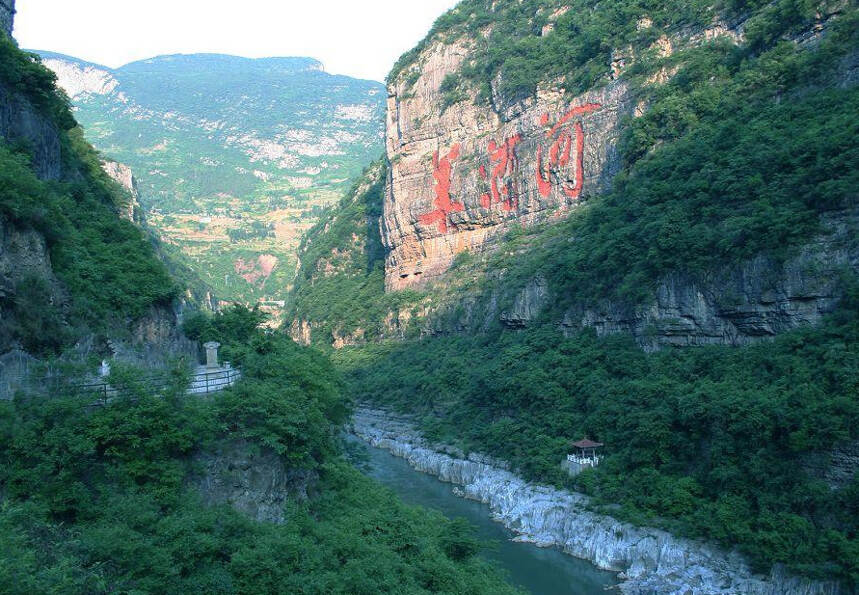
359 38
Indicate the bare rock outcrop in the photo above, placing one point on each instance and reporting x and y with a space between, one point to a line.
20 122
462 173
736 305
527 305
24 260
252 480
122 175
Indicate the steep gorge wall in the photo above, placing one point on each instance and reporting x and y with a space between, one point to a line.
21 123
25 257
738 304
461 174
122 175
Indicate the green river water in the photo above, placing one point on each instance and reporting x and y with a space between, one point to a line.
542 571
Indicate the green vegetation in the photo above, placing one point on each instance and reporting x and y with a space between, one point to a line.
95 499
452 91
107 266
742 149
585 35
707 442
22 73
340 285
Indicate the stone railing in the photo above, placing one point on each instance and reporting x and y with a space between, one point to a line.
587 461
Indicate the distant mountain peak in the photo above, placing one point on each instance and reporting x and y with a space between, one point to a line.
224 62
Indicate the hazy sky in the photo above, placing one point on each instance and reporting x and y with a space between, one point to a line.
360 38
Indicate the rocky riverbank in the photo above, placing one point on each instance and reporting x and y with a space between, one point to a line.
649 560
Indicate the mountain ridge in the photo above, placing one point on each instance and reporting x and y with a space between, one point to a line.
235 156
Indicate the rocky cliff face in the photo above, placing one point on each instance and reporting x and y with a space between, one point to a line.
253 481
24 261
24 256
460 174
21 123
7 15
650 560
463 173
122 175
737 305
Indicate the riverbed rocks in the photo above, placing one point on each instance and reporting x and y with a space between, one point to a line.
651 560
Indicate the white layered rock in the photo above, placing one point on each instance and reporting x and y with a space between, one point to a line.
650 560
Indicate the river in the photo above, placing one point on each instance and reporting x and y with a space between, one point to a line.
541 571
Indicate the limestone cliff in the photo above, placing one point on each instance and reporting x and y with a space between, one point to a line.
21 122
461 173
470 164
735 305
252 479
121 174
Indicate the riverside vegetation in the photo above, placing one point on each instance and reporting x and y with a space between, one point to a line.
740 153
95 499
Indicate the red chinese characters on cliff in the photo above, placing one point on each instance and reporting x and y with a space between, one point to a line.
441 169
502 182
560 162
565 143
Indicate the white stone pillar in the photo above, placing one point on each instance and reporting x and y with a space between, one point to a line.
212 354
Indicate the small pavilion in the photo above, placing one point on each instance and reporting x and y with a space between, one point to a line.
587 453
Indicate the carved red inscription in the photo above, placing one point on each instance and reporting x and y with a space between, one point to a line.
561 139
443 202
502 181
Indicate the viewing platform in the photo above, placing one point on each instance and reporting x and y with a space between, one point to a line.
586 458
